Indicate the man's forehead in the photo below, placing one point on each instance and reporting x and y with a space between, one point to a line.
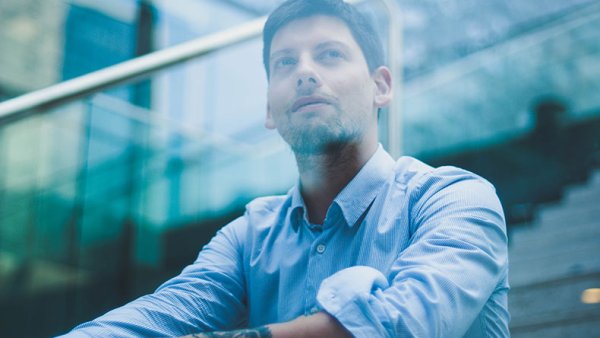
324 44
318 30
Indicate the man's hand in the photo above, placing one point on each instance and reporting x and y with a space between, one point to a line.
319 325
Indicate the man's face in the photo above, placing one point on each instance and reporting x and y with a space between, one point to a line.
320 90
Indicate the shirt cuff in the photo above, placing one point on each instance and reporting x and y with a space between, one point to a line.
346 295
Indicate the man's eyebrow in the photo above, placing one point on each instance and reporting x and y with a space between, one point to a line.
319 46
331 43
285 51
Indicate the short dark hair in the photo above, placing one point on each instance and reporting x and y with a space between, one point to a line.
362 31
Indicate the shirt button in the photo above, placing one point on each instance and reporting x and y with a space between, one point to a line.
321 248
314 310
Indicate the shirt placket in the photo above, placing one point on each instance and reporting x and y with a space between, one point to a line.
319 261
314 270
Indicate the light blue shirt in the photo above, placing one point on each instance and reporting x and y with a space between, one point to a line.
405 250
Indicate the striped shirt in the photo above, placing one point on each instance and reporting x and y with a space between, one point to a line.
405 250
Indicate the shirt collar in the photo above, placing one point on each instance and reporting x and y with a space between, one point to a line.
297 207
356 197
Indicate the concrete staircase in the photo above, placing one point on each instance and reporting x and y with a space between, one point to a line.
552 261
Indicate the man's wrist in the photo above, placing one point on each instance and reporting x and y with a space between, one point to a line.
259 332
320 324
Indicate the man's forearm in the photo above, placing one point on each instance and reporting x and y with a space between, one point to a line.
317 325
259 332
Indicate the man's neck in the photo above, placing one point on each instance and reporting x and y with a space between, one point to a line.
324 175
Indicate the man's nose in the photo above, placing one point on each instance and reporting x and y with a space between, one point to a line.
308 79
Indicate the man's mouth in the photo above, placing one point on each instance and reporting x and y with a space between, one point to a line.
307 102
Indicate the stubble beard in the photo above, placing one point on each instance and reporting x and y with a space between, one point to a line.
320 137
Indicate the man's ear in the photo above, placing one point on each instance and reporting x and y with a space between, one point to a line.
269 122
383 86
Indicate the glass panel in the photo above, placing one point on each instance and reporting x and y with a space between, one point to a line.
106 197
94 194
489 97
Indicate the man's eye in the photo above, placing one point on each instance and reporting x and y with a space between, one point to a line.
331 54
284 62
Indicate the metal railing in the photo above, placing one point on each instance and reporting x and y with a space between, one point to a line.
125 72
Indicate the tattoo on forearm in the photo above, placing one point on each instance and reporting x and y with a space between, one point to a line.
259 332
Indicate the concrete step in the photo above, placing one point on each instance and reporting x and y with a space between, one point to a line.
591 245
537 307
543 268
583 221
567 211
586 235
535 232
580 196
583 194
595 177
585 327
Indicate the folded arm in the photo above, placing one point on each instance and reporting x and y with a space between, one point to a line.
440 283
206 296
317 325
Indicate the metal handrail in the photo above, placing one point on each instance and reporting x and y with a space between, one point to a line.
127 71
64 92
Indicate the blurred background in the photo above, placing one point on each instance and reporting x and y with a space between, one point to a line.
111 183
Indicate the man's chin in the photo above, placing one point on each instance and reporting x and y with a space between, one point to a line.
319 146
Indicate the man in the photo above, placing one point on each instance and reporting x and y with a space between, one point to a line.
362 245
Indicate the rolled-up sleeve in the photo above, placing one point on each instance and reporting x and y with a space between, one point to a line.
438 285
207 295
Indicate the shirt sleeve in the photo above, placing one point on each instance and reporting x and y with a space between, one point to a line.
439 284
207 295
